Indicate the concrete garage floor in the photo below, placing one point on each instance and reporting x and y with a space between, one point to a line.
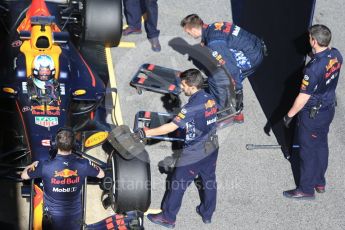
250 183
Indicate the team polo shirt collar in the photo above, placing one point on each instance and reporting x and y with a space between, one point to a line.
59 156
193 96
204 32
322 53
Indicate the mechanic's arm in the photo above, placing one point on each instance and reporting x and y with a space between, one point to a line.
25 175
299 103
94 170
308 86
161 130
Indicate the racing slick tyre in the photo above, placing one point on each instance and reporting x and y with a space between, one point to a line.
103 21
132 189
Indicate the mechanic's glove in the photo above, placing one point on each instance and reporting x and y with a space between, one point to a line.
287 120
286 151
239 99
139 134
107 181
167 165
264 48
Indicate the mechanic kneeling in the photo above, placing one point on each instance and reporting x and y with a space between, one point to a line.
63 178
199 155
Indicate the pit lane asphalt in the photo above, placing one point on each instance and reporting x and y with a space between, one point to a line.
250 183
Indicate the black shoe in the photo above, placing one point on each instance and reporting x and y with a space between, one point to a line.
130 30
159 219
296 194
206 221
320 189
155 45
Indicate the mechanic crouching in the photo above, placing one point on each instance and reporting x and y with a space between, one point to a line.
63 178
238 53
315 106
199 154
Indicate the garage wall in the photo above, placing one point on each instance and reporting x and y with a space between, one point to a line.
283 25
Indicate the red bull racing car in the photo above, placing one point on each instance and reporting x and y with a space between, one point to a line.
50 77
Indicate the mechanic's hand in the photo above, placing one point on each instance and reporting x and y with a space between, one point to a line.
139 134
287 120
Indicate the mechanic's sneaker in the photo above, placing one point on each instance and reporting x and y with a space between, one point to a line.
206 221
239 119
159 219
155 45
130 30
299 195
320 189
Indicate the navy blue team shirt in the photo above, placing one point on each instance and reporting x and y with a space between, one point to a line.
63 178
321 76
233 47
198 119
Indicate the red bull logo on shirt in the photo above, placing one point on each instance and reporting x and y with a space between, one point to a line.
218 25
65 181
211 112
209 104
332 67
331 63
66 174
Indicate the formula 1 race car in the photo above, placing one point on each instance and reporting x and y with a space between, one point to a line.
35 102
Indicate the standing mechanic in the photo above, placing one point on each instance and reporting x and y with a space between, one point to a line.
63 178
134 9
236 50
315 107
199 155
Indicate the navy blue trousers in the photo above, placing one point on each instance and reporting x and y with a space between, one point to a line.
134 9
312 136
219 88
182 177
70 222
234 67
